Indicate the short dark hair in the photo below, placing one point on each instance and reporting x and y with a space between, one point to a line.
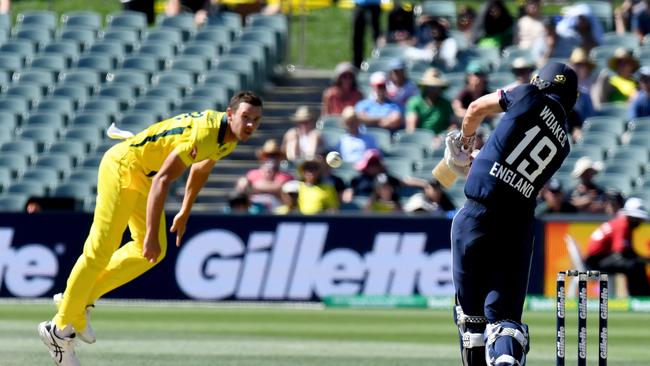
244 97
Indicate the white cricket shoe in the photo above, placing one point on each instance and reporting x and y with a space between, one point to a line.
61 349
88 335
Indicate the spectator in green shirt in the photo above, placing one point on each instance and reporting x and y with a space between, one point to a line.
430 109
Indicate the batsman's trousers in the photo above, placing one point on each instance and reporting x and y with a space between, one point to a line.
104 265
491 261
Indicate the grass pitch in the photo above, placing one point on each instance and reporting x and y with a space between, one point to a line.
197 335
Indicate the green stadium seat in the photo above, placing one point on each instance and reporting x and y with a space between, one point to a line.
63 106
91 161
133 78
5 22
256 51
267 37
183 22
103 104
377 64
30 188
19 106
42 78
84 38
10 62
231 79
399 166
195 105
635 153
639 125
218 36
8 120
108 48
75 148
159 107
621 182
329 121
613 110
229 19
207 50
622 166
127 19
104 146
15 162
43 136
13 203
61 162
146 64
88 77
124 94
627 40
414 152
421 137
81 19
25 147
178 78
639 139
29 92
601 54
244 66
48 177
168 35
382 137
161 51
172 95
391 50
127 37
78 190
332 136
38 36
606 140
90 119
135 121
610 124
192 64
87 175
89 135
24 48
37 18
101 64
277 22
76 92
45 119
5 178
594 152
218 93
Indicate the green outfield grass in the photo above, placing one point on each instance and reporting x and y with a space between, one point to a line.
191 336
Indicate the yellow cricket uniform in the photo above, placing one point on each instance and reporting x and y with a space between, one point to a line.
124 180
314 199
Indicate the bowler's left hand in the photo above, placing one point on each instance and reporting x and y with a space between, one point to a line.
178 226
151 248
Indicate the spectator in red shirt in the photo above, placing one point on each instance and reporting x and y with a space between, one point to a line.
343 92
266 181
610 247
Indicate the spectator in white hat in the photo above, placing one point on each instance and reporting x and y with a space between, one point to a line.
343 92
378 110
304 140
289 198
587 195
611 247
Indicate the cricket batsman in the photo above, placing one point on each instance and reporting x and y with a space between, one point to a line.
134 180
492 234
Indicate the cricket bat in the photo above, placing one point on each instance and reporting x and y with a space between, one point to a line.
444 174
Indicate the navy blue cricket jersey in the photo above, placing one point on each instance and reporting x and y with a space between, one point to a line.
523 152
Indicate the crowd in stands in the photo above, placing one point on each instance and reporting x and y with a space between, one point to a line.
388 115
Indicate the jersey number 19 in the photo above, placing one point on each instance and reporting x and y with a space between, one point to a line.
524 166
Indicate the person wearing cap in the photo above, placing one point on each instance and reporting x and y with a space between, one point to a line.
554 200
616 84
476 85
289 205
304 139
384 197
369 167
267 180
492 234
640 105
378 110
354 142
522 69
584 67
343 92
316 194
587 196
430 109
398 86
611 247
